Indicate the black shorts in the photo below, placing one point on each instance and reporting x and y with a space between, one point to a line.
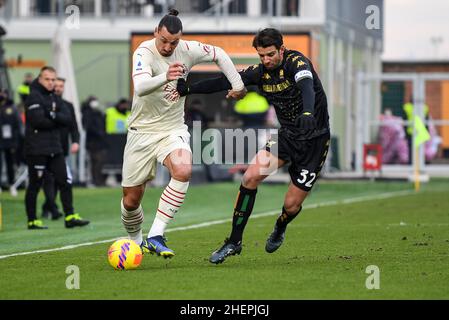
306 157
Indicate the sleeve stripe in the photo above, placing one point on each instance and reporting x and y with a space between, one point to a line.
214 55
138 74
144 48
34 106
187 45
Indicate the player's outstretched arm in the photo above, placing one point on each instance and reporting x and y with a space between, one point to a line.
211 85
225 63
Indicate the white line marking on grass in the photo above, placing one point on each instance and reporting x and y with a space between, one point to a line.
210 223
73 246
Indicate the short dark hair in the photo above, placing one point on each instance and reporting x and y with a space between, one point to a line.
122 100
47 68
60 79
268 37
171 22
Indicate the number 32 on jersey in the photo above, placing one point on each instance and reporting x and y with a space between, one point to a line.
306 178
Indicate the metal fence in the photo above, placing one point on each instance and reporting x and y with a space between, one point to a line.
368 128
145 8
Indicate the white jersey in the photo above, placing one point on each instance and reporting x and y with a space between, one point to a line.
162 110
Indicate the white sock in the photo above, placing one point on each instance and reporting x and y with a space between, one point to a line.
132 221
169 204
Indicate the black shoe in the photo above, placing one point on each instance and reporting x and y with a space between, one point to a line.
74 220
56 215
36 225
226 250
275 239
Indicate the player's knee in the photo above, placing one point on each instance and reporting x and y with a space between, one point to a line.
251 180
292 205
131 202
64 183
182 173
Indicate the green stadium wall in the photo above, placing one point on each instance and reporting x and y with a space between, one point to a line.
101 68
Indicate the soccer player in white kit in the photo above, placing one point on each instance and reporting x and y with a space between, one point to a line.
156 129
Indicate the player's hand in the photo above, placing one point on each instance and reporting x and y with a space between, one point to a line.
52 114
182 87
236 94
306 121
175 71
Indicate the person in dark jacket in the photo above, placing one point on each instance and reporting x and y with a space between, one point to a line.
49 208
10 134
45 114
96 143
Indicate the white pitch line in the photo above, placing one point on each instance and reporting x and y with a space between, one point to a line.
210 223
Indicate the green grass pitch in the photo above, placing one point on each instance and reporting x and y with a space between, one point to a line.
344 228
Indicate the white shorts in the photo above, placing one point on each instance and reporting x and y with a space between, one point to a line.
143 150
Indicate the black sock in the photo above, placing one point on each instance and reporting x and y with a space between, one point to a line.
243 208
284 218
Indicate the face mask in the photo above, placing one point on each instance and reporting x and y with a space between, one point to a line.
94 104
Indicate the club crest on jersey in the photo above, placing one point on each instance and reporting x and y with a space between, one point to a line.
281 74
171 94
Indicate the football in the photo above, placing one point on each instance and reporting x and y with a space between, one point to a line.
124 254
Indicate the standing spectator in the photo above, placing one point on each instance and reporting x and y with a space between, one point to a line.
11 130
252 109
117 117
49 184
408 115
96 143
45 113
116 128
395 149
24 89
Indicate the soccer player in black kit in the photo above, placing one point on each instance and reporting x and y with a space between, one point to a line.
287 79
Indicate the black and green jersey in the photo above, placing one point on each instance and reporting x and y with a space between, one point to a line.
280 88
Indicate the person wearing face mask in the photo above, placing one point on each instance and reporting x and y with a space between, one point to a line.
93 119
10 132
